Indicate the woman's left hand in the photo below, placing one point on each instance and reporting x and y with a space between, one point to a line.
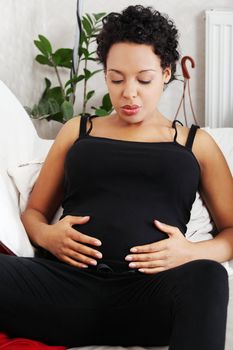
162 255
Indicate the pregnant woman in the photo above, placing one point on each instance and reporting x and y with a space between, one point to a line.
117 268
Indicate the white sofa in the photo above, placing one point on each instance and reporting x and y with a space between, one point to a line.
22 153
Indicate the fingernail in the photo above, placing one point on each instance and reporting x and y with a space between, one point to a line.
85 266
141 270
99 255
157 222
93 262
132 265
133 250
98 243
128 257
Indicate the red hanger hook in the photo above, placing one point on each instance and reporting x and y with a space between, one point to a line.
184 68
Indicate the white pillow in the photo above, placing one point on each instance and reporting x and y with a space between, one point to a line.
21 155
224 139
12 232
24 174
17 133
22 152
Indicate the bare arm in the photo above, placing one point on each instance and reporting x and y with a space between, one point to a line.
60 239
48 190
217 192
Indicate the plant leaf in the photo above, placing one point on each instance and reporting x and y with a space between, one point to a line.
69 91
67 110
54 107
101 112
47 86
92 53
63 57
89 95
87 26
84 51
46 43
43 45
40 47
96 30
87 74
55 93
89 59
106 102
89 19
95 72
74 80
58 117
83 38
43 108
98 16
43 60
47 83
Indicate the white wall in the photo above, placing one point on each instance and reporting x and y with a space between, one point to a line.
21 22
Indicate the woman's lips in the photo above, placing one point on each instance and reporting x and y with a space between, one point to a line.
130 109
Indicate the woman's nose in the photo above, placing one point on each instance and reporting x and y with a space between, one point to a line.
130 90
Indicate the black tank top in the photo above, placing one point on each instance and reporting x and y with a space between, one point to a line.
125 185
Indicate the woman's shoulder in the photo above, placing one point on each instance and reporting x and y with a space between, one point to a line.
201 137
72 124
207 150
203 146
69 131
204 143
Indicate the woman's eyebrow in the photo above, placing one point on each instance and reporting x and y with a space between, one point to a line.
147 70
141 71
115 70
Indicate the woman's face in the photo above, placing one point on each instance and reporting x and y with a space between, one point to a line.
135 81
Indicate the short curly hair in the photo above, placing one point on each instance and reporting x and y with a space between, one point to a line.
141 25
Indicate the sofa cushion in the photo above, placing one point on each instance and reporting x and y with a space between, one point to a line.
12 233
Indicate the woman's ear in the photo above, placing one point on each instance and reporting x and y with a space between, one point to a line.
167 75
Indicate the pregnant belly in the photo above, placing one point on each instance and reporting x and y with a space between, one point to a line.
120 233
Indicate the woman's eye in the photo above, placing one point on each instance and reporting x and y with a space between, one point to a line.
140 81
144 81
117 81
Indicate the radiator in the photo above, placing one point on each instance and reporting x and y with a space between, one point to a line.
219 68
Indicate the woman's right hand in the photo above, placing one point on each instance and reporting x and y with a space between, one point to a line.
69 245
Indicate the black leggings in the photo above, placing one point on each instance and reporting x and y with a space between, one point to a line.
185 307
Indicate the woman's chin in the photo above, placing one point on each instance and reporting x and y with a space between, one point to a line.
133 118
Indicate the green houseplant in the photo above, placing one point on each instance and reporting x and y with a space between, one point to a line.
56 102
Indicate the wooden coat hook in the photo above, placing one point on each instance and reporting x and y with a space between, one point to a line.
184 67
186 83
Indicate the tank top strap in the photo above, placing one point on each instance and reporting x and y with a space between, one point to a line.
174 127
90 117
191 136
83 125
